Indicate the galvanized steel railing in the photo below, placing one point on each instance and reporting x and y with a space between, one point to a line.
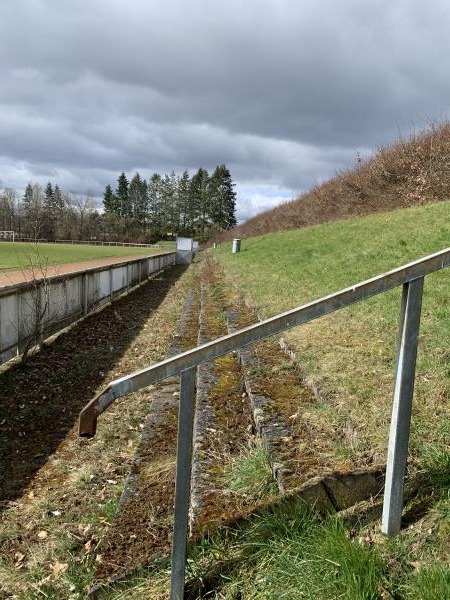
411 276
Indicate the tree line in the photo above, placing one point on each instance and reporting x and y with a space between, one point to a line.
197 206
136 211
49 213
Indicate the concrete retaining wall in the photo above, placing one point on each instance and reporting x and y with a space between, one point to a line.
32 311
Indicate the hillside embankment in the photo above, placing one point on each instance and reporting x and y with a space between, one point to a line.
411 172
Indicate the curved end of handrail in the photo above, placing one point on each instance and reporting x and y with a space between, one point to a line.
87 424
89 414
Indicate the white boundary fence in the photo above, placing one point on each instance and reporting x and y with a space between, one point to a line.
34 310
17 238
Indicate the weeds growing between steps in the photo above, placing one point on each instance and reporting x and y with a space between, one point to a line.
249 473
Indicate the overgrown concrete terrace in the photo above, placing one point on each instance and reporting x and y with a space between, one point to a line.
224 432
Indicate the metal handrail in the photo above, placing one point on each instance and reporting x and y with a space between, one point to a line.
410 276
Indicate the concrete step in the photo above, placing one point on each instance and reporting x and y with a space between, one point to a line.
142 528
300 446
223 424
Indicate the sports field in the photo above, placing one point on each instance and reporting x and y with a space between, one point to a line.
20 255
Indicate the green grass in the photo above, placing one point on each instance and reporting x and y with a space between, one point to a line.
287 552
297 556
351 353
249 473
432 583
286 269
19 255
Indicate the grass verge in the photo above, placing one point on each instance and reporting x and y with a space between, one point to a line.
287 551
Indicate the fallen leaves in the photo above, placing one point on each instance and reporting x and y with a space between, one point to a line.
49 507
19 560
84 528
58 569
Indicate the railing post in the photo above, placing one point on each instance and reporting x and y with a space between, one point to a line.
401 410
182 482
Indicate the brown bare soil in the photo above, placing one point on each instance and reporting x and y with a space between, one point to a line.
21 275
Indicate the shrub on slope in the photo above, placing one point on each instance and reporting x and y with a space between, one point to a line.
407 173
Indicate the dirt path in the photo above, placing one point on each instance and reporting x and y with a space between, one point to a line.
21 275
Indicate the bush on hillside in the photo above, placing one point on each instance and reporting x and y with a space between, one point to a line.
407 173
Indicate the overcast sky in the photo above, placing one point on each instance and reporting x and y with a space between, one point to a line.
285 92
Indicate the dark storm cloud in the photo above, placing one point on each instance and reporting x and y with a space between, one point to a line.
283 92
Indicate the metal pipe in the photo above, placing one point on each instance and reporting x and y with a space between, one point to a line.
249 335
401 410
182 482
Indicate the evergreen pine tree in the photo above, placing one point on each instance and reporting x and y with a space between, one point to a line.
134 194
167 201
58 205
49 214
154 193
48 194
199 200
222 198
110 201
171 205
32 207
123 197
142 211
58 199
183 200
139 199
27 200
